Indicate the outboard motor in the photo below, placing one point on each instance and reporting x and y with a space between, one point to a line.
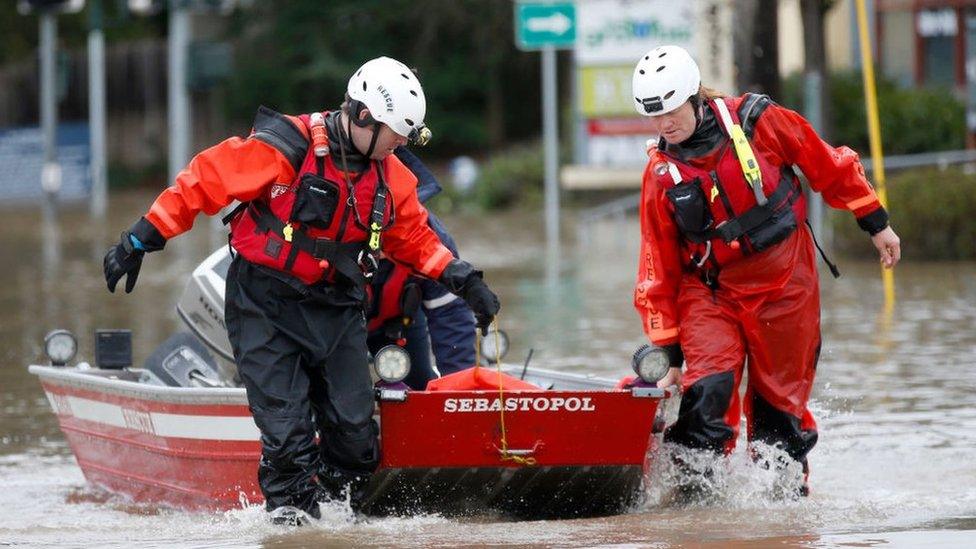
202 304
182 361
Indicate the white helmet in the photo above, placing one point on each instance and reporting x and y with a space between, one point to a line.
664 79
393 95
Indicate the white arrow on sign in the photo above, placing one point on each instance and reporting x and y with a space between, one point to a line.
556 23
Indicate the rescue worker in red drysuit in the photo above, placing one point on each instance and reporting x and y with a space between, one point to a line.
722 281
321 198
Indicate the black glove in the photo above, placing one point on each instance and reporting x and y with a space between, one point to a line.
462 279
676 357
125 258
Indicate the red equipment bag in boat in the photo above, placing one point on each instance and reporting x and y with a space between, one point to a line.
477 378
626 382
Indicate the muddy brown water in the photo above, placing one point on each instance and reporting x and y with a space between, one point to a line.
896 399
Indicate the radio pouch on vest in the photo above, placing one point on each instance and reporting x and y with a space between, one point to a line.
316 201
691 211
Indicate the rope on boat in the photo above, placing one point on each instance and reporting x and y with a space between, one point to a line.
505 454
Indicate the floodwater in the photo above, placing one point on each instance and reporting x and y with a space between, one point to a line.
895 400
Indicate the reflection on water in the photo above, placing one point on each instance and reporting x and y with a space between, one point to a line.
896 406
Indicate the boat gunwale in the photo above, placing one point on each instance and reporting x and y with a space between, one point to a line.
103 381
133 389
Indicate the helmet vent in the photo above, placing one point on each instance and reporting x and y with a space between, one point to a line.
364 85
360 71
413 93
408 121
668 95
659 69
405 76
642 71
662 55
647 57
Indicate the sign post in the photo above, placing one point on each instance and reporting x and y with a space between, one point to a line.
547 26
96 110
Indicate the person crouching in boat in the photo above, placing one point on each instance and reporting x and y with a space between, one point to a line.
322 196
418 313
727 272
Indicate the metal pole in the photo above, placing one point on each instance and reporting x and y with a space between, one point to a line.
179 102
874 133
813 103
551 144
50 174
96 110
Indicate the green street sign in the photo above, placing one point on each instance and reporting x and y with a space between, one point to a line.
541 24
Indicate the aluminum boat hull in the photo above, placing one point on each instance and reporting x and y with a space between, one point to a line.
577 449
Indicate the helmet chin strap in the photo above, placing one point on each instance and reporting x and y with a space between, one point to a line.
372 142
696 104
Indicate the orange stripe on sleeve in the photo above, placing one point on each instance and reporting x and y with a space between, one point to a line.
436 260
663 334
170 225
860 202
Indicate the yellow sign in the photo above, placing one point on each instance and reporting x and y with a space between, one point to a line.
605 90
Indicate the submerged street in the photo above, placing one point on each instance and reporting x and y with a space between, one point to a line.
894 399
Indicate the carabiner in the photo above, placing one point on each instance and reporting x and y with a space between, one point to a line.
368 263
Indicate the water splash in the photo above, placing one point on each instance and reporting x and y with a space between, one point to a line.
763 476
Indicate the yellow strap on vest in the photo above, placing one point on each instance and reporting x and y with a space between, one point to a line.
374 236
743 151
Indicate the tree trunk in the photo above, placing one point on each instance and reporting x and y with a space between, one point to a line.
756 47
815 64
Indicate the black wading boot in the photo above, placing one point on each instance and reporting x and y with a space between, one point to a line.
286 515
336 483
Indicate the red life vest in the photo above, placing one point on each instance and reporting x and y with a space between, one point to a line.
717 211
389 302
317 246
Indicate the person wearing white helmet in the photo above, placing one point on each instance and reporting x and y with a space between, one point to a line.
321 198
727 274
385 97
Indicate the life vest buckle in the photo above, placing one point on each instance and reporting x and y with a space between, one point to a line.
368 263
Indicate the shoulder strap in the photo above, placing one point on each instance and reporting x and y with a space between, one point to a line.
234 213
277 130
673 171
751 108
724 117
743 151
658 159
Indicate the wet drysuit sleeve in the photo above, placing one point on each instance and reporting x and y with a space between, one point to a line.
235 169
411 241
835 172
659 265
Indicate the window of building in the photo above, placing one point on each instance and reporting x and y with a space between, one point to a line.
937 30
898 46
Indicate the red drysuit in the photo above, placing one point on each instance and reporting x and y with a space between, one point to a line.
735 284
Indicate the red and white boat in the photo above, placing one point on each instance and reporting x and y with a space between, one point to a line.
174 433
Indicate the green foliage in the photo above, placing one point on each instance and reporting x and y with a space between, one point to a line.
932 212
121 176
912 120
297 55
511 178
19 33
